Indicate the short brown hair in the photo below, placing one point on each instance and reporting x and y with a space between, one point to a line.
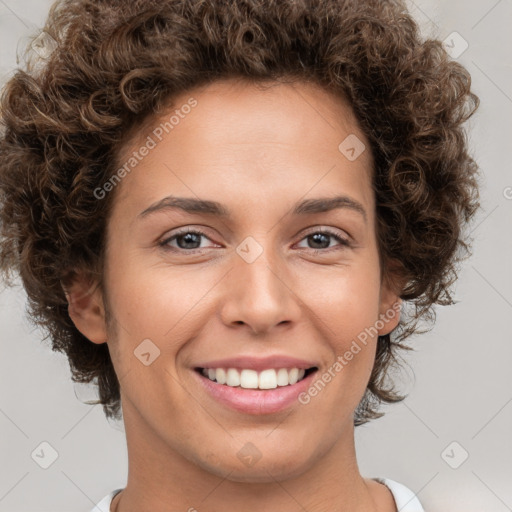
117 63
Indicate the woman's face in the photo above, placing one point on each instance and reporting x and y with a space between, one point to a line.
260 280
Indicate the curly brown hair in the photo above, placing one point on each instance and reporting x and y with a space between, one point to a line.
116 64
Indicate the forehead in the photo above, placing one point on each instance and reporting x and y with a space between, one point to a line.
233 130
295 110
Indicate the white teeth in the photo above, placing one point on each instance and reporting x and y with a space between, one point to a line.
220 375
293 375
267 379
232 377
251 379
282 377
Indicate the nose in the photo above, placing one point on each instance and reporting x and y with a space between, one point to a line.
259 295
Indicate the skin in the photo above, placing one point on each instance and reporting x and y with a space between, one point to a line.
257 152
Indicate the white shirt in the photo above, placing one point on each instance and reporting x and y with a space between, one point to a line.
405 499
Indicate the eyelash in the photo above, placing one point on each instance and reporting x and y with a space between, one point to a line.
164 243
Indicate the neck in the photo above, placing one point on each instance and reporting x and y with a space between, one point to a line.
160 476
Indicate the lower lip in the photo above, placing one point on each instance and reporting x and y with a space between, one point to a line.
256 401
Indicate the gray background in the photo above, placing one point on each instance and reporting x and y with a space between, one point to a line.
460 389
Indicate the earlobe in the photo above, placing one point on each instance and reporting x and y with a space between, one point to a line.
85 308
389 316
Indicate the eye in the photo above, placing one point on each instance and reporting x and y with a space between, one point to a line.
320 239
188 240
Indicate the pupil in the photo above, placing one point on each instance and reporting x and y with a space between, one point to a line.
189 238
317 238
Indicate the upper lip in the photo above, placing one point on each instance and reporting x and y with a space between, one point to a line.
259 363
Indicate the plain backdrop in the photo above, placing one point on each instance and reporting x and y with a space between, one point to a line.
449 441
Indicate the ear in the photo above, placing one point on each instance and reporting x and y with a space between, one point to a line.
85 307
390 301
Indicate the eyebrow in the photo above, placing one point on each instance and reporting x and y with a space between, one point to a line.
306 207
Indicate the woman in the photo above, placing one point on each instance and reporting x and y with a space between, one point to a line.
216 209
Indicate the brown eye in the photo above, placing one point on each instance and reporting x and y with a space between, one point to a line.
186 240
322 239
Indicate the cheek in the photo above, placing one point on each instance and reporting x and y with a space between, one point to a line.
349 309
158 303
150 299
349 300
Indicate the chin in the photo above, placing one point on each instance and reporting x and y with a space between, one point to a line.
263 470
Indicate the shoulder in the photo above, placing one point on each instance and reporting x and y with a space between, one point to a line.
405 499
104 504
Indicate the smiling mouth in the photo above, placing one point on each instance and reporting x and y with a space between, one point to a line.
271 378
